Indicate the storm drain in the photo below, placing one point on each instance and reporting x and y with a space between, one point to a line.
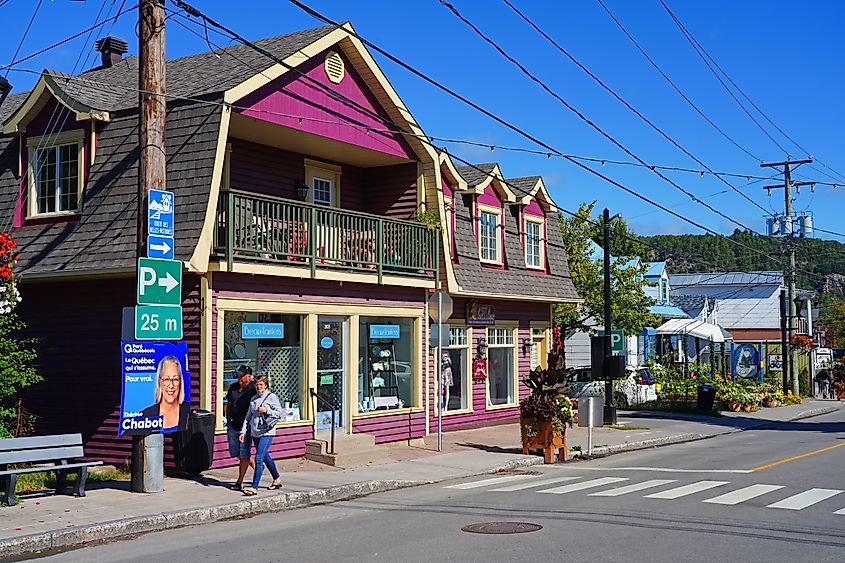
502 528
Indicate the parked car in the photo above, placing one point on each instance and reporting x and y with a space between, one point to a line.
637 387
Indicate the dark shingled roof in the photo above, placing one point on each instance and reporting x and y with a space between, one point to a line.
522 186
517 280
473 176
691 304
103 235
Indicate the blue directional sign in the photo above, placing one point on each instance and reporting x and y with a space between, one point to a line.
160 214
160 247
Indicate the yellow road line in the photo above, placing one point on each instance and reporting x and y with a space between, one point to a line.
793 458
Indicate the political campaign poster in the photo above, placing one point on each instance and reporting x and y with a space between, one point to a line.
156 387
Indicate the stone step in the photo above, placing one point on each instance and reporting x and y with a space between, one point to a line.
351 450
348 460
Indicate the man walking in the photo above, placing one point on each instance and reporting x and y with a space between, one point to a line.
238 396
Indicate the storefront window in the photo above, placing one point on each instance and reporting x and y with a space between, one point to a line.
501 373
270 344
454 380
538 338
385 364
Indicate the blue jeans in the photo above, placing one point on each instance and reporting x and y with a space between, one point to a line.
262 458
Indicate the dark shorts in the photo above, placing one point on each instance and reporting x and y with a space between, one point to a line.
236 448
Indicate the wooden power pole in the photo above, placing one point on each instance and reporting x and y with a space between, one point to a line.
148 451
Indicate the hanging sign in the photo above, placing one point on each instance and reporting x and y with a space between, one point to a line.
479 368
384 331
252 331
745 361
775 362
480 314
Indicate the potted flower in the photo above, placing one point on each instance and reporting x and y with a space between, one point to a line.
546 412
733 395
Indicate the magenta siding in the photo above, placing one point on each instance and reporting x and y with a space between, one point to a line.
291 97
534 209
392 428
490 197
288 442
522 312
79 325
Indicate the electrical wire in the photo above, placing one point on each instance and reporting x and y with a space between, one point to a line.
583 117
26 32
624 102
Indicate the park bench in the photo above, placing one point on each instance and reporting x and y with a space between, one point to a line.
59 449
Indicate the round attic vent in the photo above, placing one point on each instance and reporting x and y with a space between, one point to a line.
334 67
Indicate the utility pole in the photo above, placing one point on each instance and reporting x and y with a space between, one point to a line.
609 406
787 228
147 451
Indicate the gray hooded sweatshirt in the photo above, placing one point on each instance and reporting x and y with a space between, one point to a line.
253 418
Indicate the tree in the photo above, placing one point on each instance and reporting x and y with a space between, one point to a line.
629 304
16 355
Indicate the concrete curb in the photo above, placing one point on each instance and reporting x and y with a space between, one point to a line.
94 533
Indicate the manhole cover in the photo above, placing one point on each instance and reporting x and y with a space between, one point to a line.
502 528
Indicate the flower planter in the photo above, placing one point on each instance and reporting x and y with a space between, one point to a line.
540 434
770 403
747 407
733 406
840 395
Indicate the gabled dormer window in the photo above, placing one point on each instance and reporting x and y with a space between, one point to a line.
55 174
534 251
489 235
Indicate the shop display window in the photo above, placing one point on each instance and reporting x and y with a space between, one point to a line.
271 344
501 369
385 364
454 373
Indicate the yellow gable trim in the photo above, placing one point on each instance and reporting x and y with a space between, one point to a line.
47 87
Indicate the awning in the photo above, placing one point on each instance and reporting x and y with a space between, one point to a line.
692 327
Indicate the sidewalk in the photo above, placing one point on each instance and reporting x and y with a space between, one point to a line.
43 521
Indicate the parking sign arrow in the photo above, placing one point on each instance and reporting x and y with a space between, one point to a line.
168 282
164 248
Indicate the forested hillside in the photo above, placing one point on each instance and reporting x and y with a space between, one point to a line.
706 253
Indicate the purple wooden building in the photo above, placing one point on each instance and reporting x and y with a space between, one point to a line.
296 186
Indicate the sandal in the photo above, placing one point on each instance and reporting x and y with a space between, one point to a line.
275 485
249 492
236 486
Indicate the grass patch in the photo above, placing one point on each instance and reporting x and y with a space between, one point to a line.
626 427
29 482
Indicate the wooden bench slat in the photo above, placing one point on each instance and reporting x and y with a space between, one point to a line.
50 468
46 454
29 442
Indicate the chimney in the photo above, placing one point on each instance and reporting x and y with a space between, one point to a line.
111 50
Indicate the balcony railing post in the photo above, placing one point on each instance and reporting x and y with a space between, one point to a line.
230 227
380 248
312 243
434 247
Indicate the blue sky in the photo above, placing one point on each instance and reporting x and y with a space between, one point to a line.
786 58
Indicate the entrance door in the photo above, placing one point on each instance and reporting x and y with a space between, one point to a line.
331 364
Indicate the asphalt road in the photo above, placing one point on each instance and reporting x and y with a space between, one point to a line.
741 497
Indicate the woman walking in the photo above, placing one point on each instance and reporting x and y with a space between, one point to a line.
265 411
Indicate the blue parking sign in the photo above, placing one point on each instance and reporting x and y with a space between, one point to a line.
160 214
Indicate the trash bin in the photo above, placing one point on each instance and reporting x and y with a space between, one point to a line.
193 448
706 397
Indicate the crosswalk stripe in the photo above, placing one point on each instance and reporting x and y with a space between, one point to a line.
840 511
583 485
485 482
805 499
618 491
531 484
685 490
742 495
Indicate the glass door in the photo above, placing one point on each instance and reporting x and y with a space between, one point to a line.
331 364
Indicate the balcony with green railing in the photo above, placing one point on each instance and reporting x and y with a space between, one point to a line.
272 230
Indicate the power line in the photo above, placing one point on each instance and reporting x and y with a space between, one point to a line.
26 32
65 40
616 95
581 116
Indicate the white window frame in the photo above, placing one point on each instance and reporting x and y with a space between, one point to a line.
503 337
323 172
497 251
53 142
541 242
465 344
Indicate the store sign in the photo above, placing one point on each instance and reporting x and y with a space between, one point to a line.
384 331
152 387
775 362
479 368
745 361
252 331
480 314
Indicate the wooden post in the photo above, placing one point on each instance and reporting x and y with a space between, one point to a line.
147 452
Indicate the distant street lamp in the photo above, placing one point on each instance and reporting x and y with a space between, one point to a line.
5 88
